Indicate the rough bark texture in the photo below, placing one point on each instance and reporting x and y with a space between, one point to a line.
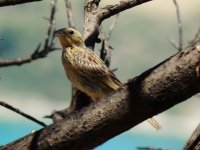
91 23
153 92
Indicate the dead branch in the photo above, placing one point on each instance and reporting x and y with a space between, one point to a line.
111 10
23 60
38 53
180 27
112 26
70 20
91 23
154 91
50 36
4 3
93 17
105 53
179 46
22 113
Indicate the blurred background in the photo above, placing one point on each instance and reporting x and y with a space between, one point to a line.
139 41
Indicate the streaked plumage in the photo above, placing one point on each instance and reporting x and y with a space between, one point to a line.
85 69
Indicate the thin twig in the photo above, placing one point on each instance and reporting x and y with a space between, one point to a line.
180 27
173 43
112 26
195 40
22 113
50 32
27 59
70 20
105 53
38 53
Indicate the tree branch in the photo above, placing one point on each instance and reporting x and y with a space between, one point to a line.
22 113
105 53
178 46
180 27
23 60
111 10
93 17
91 23
154 91
48 43
15 2
69 14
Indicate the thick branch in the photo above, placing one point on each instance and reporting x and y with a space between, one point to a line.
91 23
15 2
94 16
111 10
153 92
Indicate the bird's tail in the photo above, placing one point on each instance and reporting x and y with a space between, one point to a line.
154 123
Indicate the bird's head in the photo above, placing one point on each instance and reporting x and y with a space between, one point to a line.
69 37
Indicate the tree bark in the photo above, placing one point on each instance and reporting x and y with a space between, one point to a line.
154 91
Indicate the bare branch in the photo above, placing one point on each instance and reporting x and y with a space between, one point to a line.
22 113
69 14
173 43
15 2
47 48
111 10
93 17
91 5
112 26
91 23
180 27
105 53
23 60
196 39
154 91
51 29
193 140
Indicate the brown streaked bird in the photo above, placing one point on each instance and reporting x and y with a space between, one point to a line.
86 70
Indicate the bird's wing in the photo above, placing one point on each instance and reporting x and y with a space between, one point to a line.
88 64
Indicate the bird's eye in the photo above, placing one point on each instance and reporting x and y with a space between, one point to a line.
71 32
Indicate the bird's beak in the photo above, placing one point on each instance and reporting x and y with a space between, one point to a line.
59 32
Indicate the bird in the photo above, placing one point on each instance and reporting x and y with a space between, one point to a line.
86 70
